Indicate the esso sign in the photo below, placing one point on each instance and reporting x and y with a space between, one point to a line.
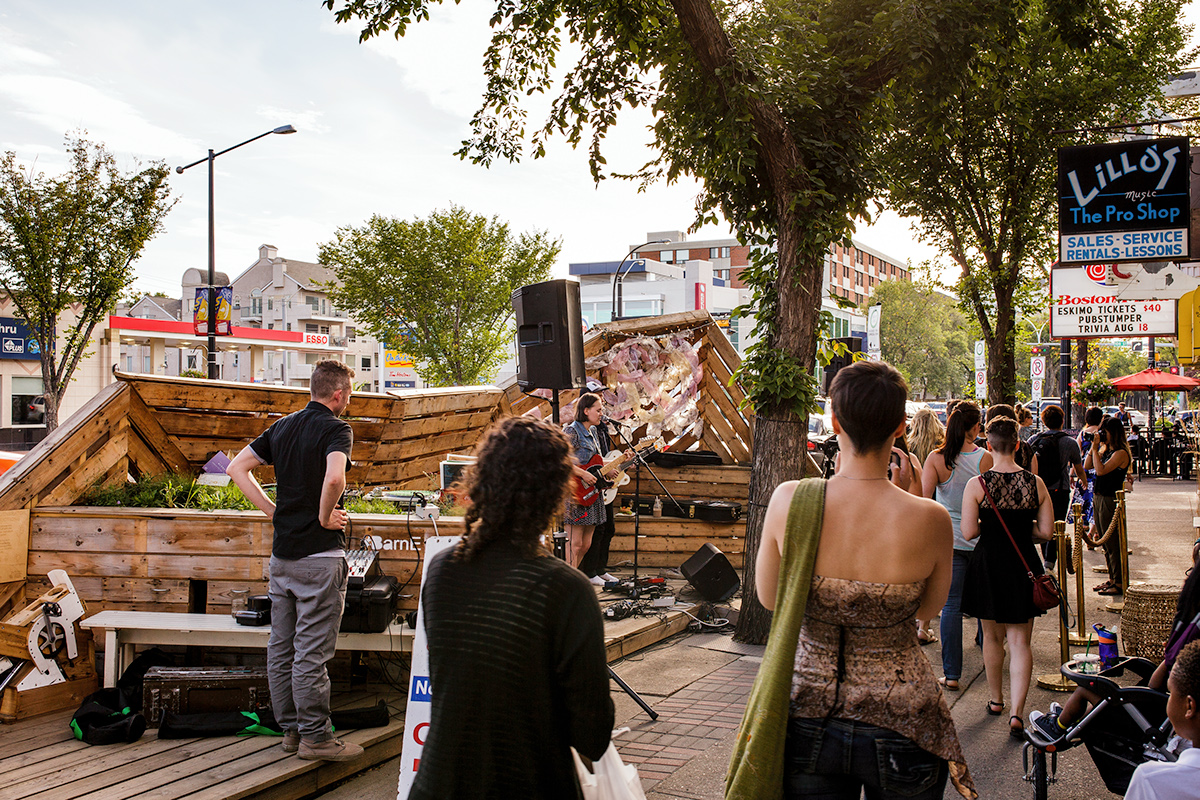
317 338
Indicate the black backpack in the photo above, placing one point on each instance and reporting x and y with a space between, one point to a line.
1049 456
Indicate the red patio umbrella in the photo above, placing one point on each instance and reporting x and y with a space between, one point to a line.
1153 380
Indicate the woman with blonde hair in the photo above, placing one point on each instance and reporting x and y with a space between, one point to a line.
925 434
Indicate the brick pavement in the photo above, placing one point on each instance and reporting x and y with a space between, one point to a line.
690 721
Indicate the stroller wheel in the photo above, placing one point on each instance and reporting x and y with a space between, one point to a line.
1039 776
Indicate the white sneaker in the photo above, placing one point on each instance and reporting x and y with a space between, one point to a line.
596 580
609 577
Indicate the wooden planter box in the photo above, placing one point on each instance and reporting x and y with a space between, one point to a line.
165 559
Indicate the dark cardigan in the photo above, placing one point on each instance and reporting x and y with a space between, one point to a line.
518 676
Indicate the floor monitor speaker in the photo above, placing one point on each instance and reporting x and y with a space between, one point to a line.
710 572
549 336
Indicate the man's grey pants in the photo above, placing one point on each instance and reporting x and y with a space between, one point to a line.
307 597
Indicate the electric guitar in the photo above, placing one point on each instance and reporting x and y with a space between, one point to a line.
610 474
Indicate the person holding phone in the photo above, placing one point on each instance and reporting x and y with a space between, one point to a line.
1109 456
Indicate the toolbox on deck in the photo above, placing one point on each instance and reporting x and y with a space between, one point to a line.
369 609
196 690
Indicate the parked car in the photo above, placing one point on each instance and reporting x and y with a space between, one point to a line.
939 408
35 411
819 431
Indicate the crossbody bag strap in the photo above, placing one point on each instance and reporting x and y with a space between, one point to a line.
996 509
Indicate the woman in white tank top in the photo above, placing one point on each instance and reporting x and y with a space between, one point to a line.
945 476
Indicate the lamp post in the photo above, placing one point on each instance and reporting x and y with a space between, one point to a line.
212 255
618 278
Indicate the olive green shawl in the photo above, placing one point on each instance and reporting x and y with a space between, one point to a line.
756 768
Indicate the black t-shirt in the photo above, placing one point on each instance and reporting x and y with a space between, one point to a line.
297 445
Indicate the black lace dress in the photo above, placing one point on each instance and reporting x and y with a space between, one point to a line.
997 586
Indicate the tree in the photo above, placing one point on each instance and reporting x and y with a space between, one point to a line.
773 105
925 336
438 288
979 170
67 247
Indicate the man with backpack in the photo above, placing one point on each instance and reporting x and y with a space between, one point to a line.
1058 455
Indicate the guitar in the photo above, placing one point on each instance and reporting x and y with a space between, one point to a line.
610 475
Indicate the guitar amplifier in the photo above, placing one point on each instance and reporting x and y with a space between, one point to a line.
370 607
198 690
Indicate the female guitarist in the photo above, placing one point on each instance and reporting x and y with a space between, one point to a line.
584 434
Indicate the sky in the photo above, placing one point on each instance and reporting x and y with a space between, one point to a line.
377 123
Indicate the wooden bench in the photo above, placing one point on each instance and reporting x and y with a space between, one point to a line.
124 629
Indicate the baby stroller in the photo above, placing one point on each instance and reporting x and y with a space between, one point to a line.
1127 727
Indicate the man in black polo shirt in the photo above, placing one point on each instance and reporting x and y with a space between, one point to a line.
310 450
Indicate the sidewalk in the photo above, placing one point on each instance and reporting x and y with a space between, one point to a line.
698 683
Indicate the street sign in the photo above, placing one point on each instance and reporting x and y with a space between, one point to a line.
873 315
980 354
980 384
1037 368
1037 388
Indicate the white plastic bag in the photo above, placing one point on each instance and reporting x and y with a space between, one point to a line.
611 779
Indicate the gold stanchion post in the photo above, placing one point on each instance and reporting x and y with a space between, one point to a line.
1117 606
1056 682
1082 635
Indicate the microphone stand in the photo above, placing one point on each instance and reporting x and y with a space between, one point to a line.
639 461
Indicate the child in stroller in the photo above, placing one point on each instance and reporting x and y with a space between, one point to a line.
1125 725
1182 779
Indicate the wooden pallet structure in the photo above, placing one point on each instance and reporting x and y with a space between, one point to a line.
186 560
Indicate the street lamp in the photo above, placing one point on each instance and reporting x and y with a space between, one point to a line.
618 278
212 256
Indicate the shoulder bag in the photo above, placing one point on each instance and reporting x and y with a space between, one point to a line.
1046 594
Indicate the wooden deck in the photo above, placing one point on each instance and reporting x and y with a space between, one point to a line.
40 759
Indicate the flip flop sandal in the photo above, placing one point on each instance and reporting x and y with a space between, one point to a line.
1102 586
1016 731
994 708
948 685
1110 590
926 637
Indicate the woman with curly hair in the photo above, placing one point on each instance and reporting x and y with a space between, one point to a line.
516 641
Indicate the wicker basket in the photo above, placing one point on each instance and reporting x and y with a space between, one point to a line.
1146 619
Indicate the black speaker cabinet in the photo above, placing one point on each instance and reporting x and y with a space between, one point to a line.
711 573
549 336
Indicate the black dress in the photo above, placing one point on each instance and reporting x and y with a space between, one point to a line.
997 585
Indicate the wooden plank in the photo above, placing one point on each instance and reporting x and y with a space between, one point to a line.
715 365
431 426
715 443
729 399
22 484
143 460
715 419
149 429
428 402
655 630
80 480
427 445
184 393
655 326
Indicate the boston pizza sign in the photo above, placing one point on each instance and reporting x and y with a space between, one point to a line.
1083 305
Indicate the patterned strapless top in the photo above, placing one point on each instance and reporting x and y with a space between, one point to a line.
858 658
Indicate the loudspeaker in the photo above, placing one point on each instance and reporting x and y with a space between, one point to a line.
853 345
549 336
711 573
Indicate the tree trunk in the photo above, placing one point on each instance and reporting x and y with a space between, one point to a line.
1002 366
780 435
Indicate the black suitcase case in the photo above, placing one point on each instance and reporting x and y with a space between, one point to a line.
370 608
688 458
707 510
197 690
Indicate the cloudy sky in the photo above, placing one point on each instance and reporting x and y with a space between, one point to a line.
378 125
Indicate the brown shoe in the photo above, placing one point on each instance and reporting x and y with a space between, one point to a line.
329 750
291 741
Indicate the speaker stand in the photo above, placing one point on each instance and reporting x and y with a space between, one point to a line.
560 534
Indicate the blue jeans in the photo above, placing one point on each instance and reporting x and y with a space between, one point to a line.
838 759
951 627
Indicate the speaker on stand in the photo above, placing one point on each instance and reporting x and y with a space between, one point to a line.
549 336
